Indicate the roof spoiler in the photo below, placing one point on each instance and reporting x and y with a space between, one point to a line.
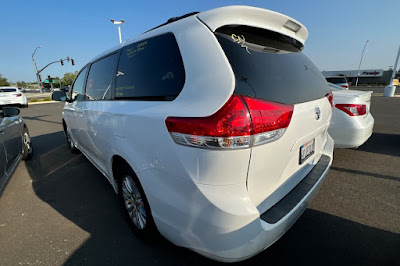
255 17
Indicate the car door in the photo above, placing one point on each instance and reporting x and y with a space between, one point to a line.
73 110
3 160
10 129
97 108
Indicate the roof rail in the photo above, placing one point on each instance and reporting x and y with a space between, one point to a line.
173 19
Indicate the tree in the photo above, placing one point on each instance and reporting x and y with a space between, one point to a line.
21 84
4 81
68 78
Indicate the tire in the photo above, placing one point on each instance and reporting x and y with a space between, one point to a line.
70 142
134 203
27 151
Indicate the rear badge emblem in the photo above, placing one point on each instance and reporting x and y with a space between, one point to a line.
317 113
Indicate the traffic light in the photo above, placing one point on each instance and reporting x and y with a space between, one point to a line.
62 63
72 62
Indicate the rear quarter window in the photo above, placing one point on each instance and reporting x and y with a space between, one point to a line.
271 66
151 69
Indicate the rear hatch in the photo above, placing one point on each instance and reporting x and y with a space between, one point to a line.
270 66
7 95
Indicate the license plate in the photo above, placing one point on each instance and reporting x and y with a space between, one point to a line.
306 151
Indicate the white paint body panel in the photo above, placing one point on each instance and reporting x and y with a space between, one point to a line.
351 131
10 98
206 200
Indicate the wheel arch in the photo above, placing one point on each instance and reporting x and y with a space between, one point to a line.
116 161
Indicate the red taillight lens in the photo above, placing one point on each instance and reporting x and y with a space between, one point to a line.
353 109
241 122
344 86
268 116
330 98
18 95
231 120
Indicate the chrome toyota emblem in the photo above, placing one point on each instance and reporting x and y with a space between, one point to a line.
317 113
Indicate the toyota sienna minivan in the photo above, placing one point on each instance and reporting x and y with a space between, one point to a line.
212 128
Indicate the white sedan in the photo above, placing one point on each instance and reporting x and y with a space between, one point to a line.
352 122
12 96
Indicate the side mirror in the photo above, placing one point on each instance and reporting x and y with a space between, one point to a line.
59 96
10 111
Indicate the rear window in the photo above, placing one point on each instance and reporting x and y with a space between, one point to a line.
337 80
151 69
8 90
270 66
334 87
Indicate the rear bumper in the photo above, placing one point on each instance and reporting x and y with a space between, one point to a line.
221 222
353 132
21 101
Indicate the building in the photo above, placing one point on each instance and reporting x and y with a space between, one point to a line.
366 77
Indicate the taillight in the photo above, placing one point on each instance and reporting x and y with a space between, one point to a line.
242 122
344 86
330 98
353 109
18 95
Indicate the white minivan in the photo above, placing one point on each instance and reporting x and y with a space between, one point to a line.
212 128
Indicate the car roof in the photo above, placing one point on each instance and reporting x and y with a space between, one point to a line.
229 15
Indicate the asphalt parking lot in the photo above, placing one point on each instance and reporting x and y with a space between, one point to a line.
58 209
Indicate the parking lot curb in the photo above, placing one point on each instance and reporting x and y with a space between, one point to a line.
43 102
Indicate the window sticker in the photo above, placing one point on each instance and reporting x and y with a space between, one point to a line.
240 40
131 52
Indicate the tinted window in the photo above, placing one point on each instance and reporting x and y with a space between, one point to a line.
8 90
336 80
100 79
79 84
272 73
151 69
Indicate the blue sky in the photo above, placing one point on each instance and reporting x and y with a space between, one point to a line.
82 29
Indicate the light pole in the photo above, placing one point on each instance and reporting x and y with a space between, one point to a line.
390 89
362 53
36 71
119 23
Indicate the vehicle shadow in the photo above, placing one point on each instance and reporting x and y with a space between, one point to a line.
388 144
71 185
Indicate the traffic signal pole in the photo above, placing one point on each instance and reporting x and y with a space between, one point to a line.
39 79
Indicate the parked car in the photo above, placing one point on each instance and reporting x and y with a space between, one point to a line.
352 122
201 134
339 80
15 143
12 96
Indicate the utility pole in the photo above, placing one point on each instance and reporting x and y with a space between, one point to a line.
390 89
362 53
